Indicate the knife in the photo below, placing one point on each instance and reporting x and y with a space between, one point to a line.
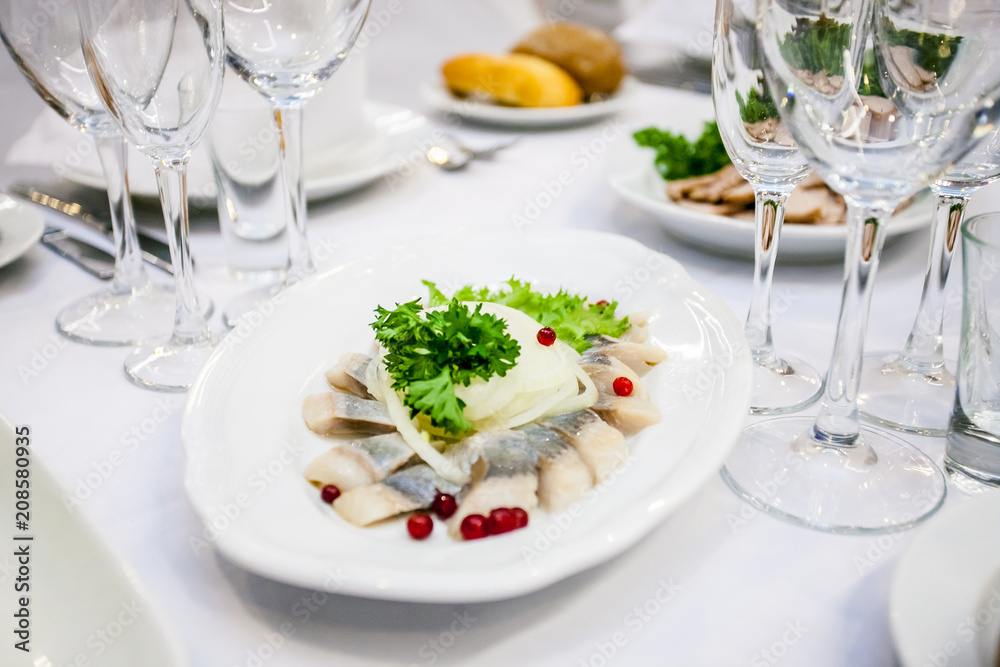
90 258
154 251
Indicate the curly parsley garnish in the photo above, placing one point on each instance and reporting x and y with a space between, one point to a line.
429 352
678 158
569 315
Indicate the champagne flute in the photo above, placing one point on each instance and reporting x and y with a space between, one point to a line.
912 389
763 152
939 65
133 310
158 66
286 51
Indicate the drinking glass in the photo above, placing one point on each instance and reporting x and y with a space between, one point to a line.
912 390
286 51
158 65
45 45
763 152
939 67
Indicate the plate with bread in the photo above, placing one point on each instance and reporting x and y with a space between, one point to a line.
558 74
715 209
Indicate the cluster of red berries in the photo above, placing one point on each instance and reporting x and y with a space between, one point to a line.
421 524
500 520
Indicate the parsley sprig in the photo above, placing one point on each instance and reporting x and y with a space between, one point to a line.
677 157
570 315
429 352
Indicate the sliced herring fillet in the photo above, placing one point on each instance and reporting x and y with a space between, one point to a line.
339 414
408 490
627 414
563 477
359 462
604 369
349 374
504 475
601 446
640 357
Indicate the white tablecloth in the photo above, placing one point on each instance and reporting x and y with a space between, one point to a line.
746 589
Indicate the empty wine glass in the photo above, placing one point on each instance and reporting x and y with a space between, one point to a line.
939 66
286 51
45 45
912 389
763 152
158 65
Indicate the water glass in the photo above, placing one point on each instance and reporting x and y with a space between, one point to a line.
973 444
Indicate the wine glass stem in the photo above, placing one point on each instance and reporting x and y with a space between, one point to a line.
837 421
129 273
769 214
924 348
189 323
288 121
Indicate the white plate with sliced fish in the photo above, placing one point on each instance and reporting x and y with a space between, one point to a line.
632 173
247 446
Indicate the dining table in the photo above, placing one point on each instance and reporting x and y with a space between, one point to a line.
717 582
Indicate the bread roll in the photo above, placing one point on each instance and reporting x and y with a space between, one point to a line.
590 56
515 79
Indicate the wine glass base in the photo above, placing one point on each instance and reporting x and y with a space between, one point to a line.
111 318
170 366
881 484
787 385
255 300
903 399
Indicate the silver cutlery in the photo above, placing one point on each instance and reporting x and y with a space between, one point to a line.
90 258
77 212
458 155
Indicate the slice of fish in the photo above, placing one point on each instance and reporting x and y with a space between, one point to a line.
640 357
504 475
339 414
563 477
604 370
627 414
602 447
359 462
408 490
349 374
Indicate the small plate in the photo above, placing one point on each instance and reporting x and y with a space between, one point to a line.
20 228
441 99
247 449
944 605
85 606
633 176
326 175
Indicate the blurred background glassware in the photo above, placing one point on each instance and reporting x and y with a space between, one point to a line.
158 65
286 51
45 45
973 440
763 152
250 194
939 65
912 390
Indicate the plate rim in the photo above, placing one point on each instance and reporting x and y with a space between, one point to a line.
437 96
20 214
316 188
248 553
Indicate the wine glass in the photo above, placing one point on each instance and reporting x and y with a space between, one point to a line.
286 51
45 45
939 66
763 152
912 389
158 65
